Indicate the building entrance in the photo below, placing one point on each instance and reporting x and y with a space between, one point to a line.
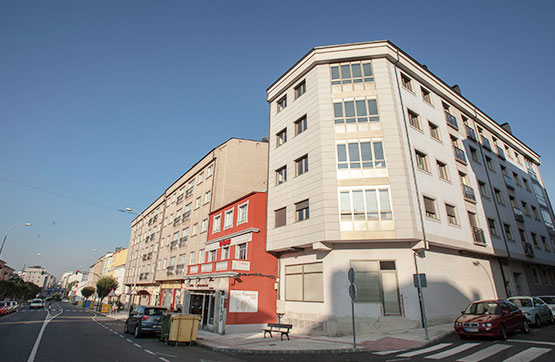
203 303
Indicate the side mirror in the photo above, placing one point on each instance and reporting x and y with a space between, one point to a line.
462 311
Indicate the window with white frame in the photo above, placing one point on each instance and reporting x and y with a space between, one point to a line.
356 111
451 214
242 213
281 137
421 161
434 131
281 175
192 258
300 125
301 165
195 230
197 203
216 223
201 256
426 95
349 73
207 197
209 171
225 253
200 178
406 82
228 218
357 155
304 282
204 226
414 119
442 169
365 204
211 256
241 251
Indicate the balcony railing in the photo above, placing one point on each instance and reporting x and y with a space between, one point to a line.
469 193
470 133
500 153
485 143
459 155
479 238
509 182
451 120
519 216
532 173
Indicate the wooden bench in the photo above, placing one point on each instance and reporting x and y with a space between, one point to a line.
278 327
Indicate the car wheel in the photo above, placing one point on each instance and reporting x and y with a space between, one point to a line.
502 333
550 319
538 321
125 328
137 332
525 326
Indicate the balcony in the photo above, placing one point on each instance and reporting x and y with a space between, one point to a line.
459 155
180 269
528 249
519 216
451 120
500 153
470 133
509 182
173 245
479 237
485 143
469 194
182 241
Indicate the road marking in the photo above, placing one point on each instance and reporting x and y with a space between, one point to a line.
163 359
152 353
39 337
425 350
485 353
121 335
527 341
128 340
114 332
528 354
383 353
453 351
137 345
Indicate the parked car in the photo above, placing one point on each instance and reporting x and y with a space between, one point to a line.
535 310
144 319
3 308
550 301
491 318
13 306
36 303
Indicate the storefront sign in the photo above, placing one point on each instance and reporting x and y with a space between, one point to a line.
240 265
243 301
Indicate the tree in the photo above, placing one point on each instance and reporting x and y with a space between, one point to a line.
87 292
104 286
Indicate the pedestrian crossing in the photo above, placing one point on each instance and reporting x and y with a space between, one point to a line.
55 310
474 352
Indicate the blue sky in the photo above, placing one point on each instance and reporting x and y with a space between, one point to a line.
110 102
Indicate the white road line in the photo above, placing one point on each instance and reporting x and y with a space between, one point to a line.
137 345
147 351
425 350
528 354
535 342
163 359
128 340
114 332
383 353
37 342
121 335
453 351
485 353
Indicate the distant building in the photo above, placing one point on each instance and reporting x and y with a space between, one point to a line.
5 271
38 276
118 266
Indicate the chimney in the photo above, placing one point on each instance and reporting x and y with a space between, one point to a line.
456 89
506 127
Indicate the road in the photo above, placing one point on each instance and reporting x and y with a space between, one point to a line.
74 334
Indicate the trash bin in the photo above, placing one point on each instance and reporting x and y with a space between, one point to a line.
105 308
183 328
165 332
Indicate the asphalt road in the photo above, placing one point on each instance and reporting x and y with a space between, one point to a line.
73 334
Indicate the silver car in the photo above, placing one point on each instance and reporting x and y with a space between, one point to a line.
535 310
550 301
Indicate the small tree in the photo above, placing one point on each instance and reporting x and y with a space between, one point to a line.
104 286
87 292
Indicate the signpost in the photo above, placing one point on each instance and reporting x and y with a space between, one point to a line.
352 293
419 283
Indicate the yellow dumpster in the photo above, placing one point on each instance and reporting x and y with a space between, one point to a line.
79 304
183 328
105 308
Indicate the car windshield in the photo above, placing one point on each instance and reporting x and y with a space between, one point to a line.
548 300
154 311
522 302
2 304
37 301
482 308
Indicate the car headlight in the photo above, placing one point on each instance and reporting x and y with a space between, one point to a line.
488 324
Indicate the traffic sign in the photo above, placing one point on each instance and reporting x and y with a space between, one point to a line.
351 275
353 291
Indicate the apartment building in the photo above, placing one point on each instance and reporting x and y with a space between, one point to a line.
5 271
170 234
38 276
378 165
119 258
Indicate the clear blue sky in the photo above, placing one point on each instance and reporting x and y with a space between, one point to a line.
111 101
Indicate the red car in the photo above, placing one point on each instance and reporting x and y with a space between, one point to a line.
491 318
4 308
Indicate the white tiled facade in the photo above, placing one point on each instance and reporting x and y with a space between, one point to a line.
368 210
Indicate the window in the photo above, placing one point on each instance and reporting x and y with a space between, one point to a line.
204 226
281 104
422 161
228 219
195 230
301 211
304 282
539 195
192 258
517 179
535 212
197 203
242 213
241 251
376 282
547 219
498 197
525 208
526 185
544 243
489 163
426 96
451 214
300 125
281 175
483 189
225 253
534 240
281 137
430 207
301 165
413 119
300 89
522 235
348 73
360 111
360 155
210 171
201 256
474 154
365 205
492 227
508 232
406 82
434 131
279 217
545 277
200 178
211 256
207 197
443 171
535 275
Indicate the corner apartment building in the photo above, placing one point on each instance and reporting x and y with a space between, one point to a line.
377 164
170 233
39 276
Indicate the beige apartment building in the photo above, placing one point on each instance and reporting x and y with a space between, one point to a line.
171 233
376 164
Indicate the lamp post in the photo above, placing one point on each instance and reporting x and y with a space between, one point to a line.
7 232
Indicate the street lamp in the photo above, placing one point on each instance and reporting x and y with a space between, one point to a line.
7 232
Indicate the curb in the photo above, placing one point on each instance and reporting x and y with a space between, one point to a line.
284 352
